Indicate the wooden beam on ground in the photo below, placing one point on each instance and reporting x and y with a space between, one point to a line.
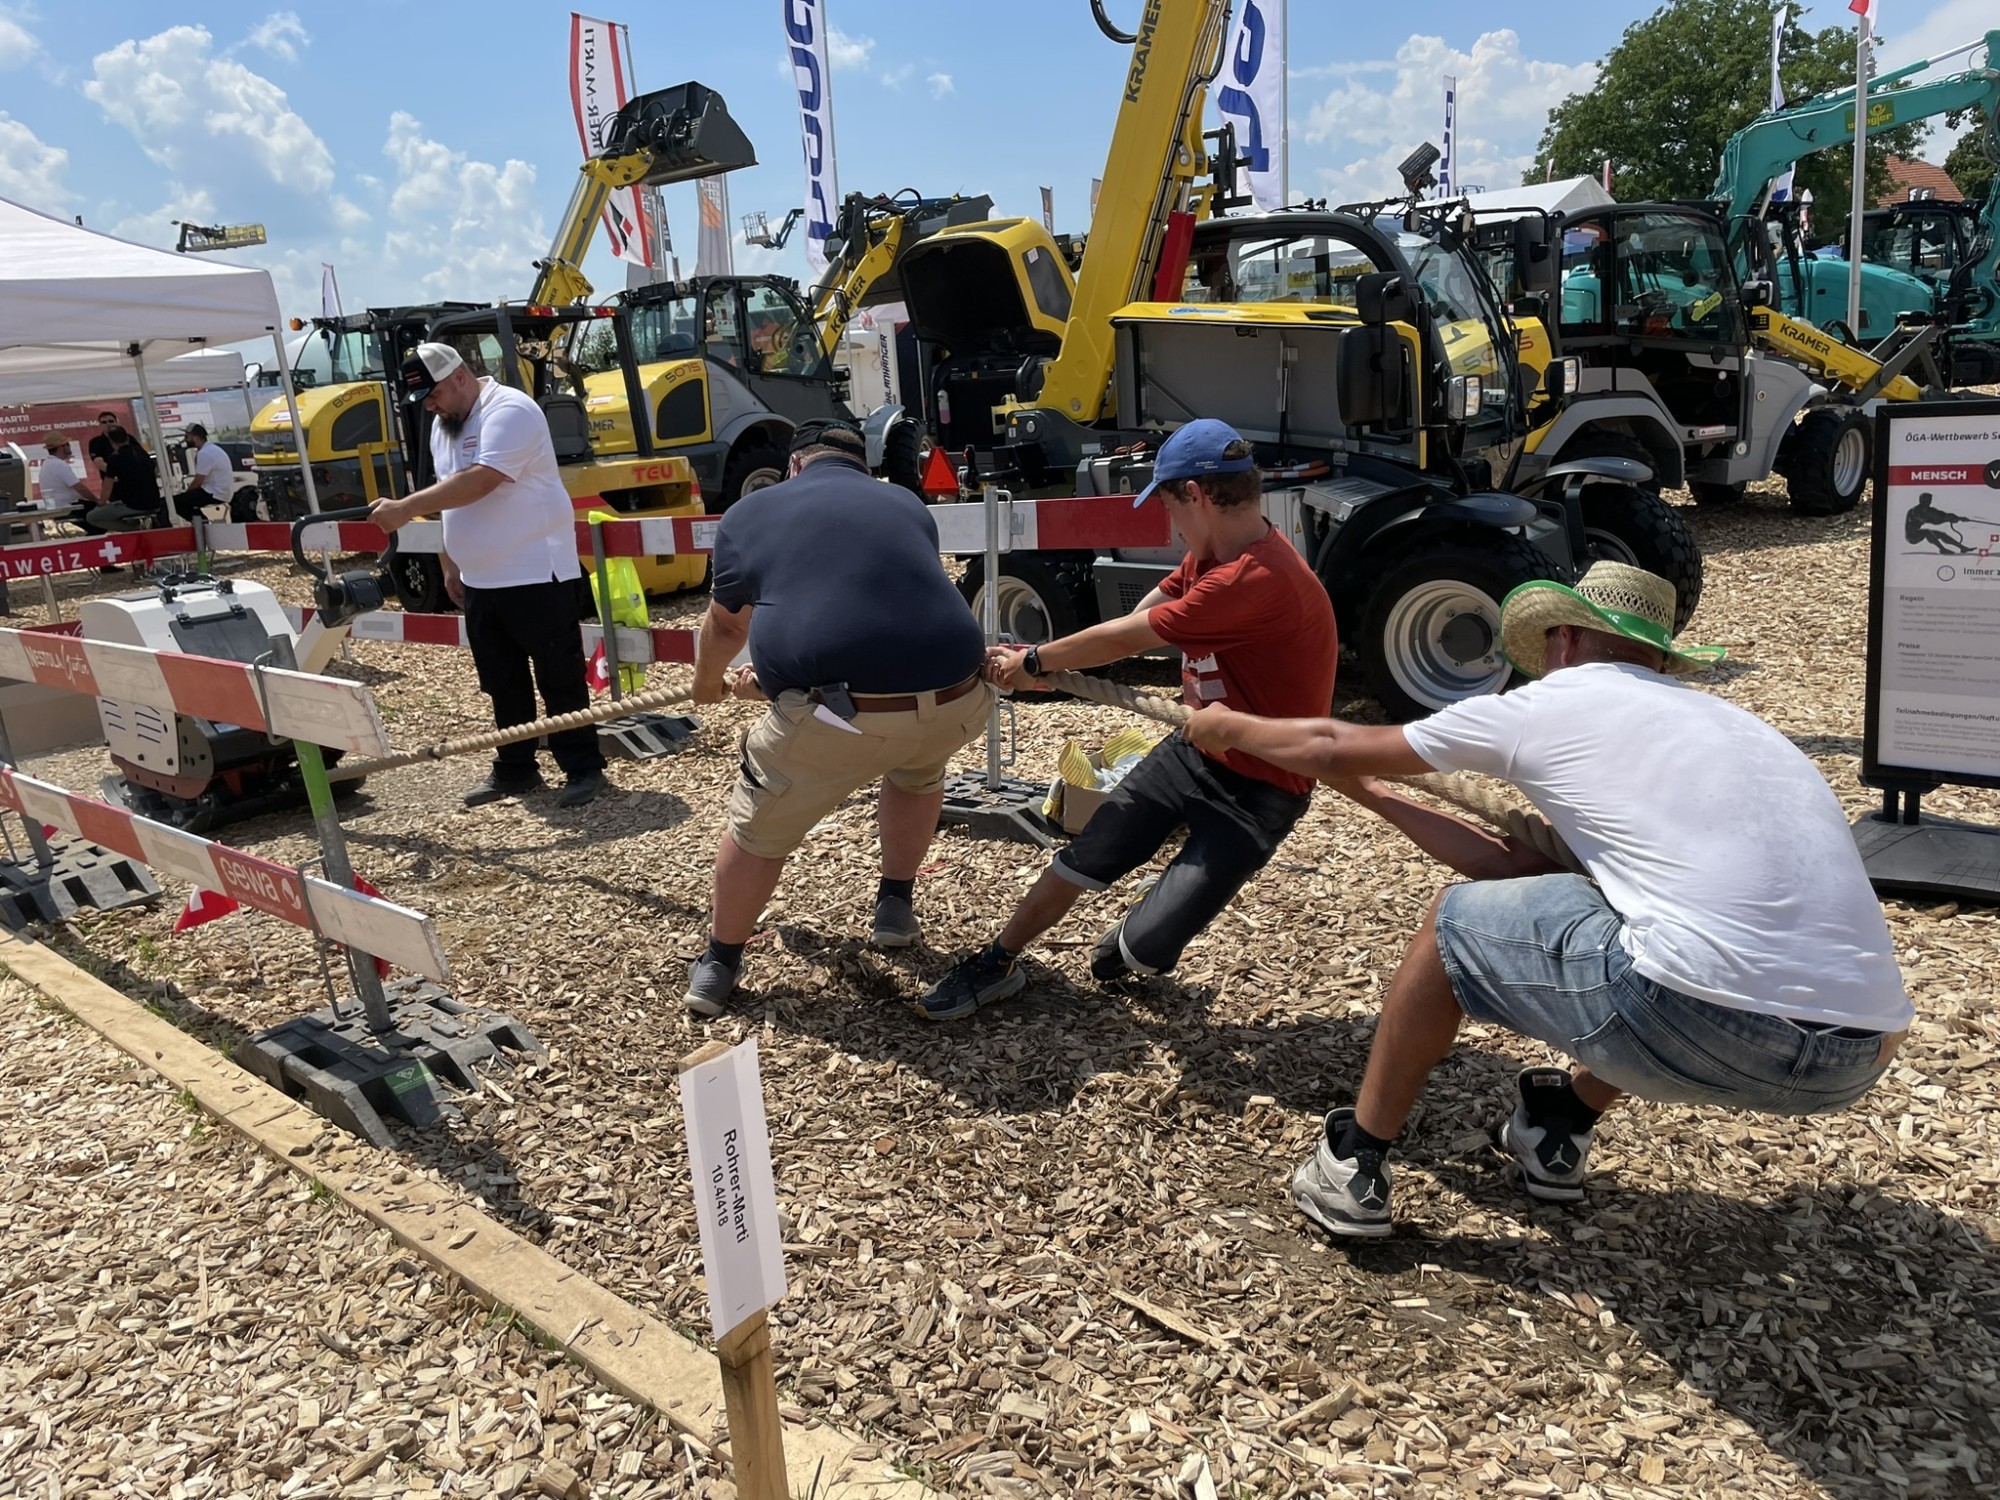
625 1349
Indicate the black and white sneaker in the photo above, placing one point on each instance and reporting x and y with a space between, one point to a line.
1553 1154
973 982
1343 1195
896 924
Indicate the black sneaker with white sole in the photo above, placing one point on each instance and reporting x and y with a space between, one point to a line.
896 924
1553 1153
710 984
1343 1195
973 982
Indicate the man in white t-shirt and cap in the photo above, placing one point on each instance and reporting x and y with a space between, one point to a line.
210 477
61 489
509 560
1725 947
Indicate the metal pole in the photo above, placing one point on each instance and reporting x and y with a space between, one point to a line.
43 856
151 426
990 622
1859 206
333 847
602 564
298 427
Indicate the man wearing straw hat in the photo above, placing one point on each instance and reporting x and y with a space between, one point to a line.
1724 949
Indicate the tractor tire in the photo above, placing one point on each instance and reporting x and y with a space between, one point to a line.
1635 526
1040 599
755 466
1713 496
1827 461
903 458
418 579
1430 632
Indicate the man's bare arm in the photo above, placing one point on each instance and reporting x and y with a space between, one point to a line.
723 632
1457 843
1324 749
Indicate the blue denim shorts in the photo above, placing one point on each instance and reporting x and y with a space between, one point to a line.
1541 957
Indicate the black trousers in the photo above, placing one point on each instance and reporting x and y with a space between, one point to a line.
523 638
1234 825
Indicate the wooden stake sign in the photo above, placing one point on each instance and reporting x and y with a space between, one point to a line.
742 1256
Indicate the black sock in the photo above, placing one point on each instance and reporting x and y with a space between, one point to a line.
1549 1102
1001 953
899 888
1354 1139
727 954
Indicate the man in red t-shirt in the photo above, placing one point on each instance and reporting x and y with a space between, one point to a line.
1253 626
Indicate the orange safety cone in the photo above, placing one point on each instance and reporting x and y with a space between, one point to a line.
940 478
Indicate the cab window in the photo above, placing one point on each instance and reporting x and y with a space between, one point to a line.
1649 276
778 337
1301 268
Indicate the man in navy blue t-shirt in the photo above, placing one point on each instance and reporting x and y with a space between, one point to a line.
871 662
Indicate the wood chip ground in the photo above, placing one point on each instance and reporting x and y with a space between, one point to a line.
1048 1251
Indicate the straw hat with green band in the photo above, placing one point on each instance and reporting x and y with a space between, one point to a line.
1612 597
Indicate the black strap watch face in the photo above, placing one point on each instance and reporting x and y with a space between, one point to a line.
1033 661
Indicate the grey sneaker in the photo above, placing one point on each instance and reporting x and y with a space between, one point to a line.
710 984
896 924
1553 1156
1343 1195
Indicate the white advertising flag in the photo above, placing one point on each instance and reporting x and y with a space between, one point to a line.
1781 185
1448 163
805 37
600 83
1252 97
714 253
329 292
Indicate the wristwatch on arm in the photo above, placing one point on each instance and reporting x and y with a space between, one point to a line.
1031 661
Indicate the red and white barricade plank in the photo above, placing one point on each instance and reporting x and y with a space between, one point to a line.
656 536
637 646
1082 522
320 710
370 924
80 554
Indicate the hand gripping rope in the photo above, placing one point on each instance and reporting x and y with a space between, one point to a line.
1460 790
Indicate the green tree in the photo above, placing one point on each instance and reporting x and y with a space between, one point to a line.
1971 161
1684 80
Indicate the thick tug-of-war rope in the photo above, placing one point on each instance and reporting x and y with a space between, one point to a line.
1460 790
493 739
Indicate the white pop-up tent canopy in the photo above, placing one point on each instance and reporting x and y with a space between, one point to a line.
1568 195
204 370
76 304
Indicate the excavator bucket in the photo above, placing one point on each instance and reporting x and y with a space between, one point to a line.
687 128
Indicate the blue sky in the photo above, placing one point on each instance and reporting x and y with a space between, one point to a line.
428 150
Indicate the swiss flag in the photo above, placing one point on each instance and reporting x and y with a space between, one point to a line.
1864 9
381 964
203 906
597 672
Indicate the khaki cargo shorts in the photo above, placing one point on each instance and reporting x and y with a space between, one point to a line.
797 768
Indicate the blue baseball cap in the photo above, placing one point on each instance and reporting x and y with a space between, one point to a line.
1195 452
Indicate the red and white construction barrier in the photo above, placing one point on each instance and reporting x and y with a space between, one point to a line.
81 554
1080 522
376 927
293 705
637 646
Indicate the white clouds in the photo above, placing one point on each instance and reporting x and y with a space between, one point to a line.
31 170
281 34
895 78
18 46
941 85
1381 110
459 227
847 52
191 111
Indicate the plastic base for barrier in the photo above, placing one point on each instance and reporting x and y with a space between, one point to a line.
82 878
360 1079
646 736
1010 810
1933 856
